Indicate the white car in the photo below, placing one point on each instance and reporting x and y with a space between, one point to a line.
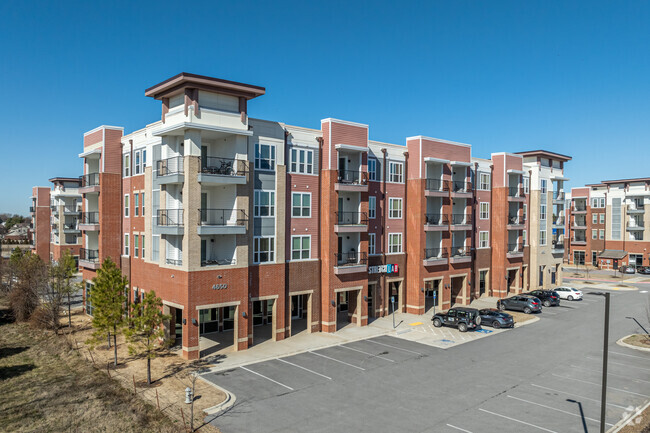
568 293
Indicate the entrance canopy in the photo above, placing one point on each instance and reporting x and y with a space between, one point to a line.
612 254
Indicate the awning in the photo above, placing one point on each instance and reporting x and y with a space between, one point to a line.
612 254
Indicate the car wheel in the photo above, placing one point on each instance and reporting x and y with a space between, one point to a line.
437 323
527 310
547 303
569 298
462 327
477 321
501 307
496 325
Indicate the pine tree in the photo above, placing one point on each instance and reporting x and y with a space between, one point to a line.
147 328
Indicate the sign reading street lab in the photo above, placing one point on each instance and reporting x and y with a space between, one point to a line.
383 269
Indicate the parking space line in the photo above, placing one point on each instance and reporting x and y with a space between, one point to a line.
555 409
458 428
612 374
367 353
337 360
267 378
631 356
577 396
306 369
619 363
598 384
516 420
395 347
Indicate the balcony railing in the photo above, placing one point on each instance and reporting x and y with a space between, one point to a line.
579 223
635 207
351 258
558 221
461 186
90 218
222 217
170 217
557 245
515 191
514 219
460 252
579 239
435 253
436 219
558 195
352 177
173 165
635 224
89 255
90 179
218 262
436 185
579 208
461 219
223 166
174 262
351 218
514 248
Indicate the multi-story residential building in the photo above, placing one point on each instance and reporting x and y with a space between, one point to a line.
251 230
608 223
40 212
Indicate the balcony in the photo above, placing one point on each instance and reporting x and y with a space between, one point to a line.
170 221
54 210
170 170
558 197
582 208
218 262
351 222
435 256
558 221
71 228
635 225
218 171
436 188
579 240
222 222
89 183
632 208
460 255
579 224
516 193
435 222
461 221
514 251
350 263
461 188
89 258
174 262
515 222
557 247
351 180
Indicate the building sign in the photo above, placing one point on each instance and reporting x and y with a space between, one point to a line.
383 269
219 286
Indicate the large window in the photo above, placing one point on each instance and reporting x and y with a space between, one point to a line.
523 237
372 169
126 244
136 164
263 249
127 165
542 212
300 247
142 246
483 239
264 203
594 218
542 186
89 305
394 243
602 218
601 234
265 156
301 204
372 239
526 185
142 200
302 161
484 181
126 205
372 205
484 212
136 246
136 204
542 237
594 234
396 172
395 208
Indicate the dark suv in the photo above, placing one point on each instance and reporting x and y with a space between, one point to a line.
462 318
525 303
548 297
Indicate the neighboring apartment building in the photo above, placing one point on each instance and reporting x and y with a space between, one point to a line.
250 229
41 223
608 223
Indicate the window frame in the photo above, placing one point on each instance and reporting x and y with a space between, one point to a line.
257 252
602 218
526 185
487 212
542 238
372 174
301 207
127 245
142 245
308 167
543 213
482 186
257 207
391 200
399 174
136 246
372 209
136 204
136 163
594 234
391 245
272 156
486 240
300 250
127 205
601 234
126 165
543 186
372 244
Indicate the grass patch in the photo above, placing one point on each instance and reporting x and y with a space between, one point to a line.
639 340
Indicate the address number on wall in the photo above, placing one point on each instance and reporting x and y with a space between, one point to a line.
219 286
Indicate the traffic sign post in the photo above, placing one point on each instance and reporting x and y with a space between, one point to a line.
435 296
392 301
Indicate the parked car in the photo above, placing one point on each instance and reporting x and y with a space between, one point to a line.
568 293
644 270
496 319
626 269
461 318
548 297
527 304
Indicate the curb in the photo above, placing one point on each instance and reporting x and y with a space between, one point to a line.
226 404
527 322
631 346
622 423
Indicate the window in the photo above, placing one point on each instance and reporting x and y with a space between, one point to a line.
89 305
484 181
396 172
264 203
594 234
300 247
372 205
542 185
525 213
302 161
126 205
136 165
136 205
142 246
594 219
394 243
144 159
526 185
484 212
395 208
483 239
594 202
372 239
616 219
542 237
263 249
542 212
523 237
601 234
372 169
142 200
126 244
602 202
264 156
127 165
136 246
602 218
301 204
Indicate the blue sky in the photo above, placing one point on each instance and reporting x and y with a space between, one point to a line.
570 77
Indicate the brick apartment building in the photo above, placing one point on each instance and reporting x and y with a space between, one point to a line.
251 229
608 223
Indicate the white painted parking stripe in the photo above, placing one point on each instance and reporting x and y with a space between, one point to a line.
555 409
458 428
631 356
306 369
519 421
620 363
395 347
367 353
337 360
577 396
267 378
598 384
612 374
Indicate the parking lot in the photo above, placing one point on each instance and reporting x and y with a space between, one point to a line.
544 377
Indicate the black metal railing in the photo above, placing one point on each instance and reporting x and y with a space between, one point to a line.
90 218
579 208
351 258
352 177
435 253
90 179
223 166
515 191
558 221
557 245
170 217
460 252
222 217
218 262
461 186
461 219
558 195
436 185
70 227
514 248
174 262
580 239
436 219
579 222
513 219
351 218
89 255
173 165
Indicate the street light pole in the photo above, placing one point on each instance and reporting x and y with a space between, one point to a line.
603 396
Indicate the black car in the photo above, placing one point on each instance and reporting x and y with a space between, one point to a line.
496 319
462 318
644 270
525 303
548 297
